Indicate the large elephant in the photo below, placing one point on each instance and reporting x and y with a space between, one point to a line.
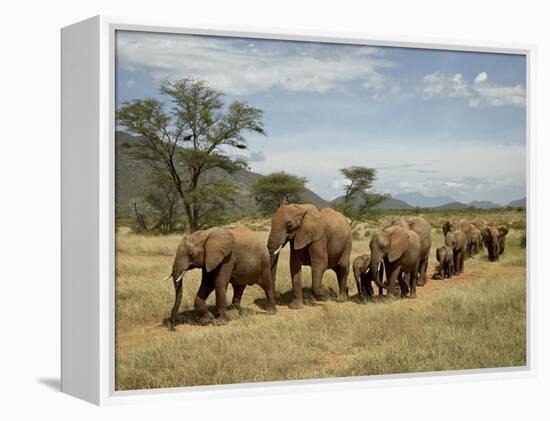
456 240
364 277
502 232
466 227
320 239
400 250
225 256
444 256
424 231
491 240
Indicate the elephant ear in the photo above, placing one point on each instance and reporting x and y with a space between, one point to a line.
312 228
217 246
485 233
502 230
399 242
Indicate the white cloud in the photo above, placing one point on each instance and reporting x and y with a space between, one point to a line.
242 67
480 93
482 77
130 83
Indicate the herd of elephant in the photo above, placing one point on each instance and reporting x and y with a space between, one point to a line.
322 239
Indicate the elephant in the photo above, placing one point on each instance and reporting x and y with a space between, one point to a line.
224 256
491 240
364 277
444 256
456 240
466 227
320 239
476 242
424 231
502 232
400 250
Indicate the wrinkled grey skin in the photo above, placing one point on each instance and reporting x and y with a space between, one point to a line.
364 277
444 256
424 231
224 256
400 250
456 240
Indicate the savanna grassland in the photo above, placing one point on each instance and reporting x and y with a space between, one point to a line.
476 320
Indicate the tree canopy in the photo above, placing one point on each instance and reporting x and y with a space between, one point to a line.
357 200
188 135
277 189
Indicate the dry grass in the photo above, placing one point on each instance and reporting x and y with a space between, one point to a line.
474 321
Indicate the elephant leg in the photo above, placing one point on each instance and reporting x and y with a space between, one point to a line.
296 274
403 285
394 273
267 286
412 283
221 291
319 292
178 288
204 291
237 295
360 279
342 276
462 257
425 269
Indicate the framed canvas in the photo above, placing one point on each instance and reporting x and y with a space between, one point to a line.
249 210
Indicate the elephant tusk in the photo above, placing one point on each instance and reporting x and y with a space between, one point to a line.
379 264
168 277
179 277
278 250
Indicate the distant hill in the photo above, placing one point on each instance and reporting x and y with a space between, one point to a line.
390 203
484 204
131 178
520 203
393 203
453 205
416 199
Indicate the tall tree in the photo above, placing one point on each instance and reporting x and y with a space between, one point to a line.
189 136
277 189
356 198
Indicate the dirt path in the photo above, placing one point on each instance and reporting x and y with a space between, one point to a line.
146 334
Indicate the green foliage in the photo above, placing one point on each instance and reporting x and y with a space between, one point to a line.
186 137
277 189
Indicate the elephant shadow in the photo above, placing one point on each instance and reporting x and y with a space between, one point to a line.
192 317
286 297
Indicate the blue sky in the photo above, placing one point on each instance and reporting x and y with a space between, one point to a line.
431 121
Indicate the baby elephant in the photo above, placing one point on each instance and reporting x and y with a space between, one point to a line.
444 256
224 256
364 278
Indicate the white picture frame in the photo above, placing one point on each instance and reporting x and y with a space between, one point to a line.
88 98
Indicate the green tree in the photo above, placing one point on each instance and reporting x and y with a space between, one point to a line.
277 189
189 136
356 199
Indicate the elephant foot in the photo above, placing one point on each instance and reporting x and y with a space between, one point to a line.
412 295
296 304
205 319
321 295
172 327
271 311
342 297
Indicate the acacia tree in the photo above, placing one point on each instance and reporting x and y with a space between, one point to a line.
189 136
356 199
277 189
